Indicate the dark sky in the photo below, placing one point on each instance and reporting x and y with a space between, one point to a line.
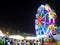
20 15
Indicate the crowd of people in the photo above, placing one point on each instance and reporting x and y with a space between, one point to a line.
7 41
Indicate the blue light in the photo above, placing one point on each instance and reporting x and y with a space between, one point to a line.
45 15
42 32
45 22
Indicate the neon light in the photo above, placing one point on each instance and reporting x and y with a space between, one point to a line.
45 18
40 14
53 20
45 15
37 15
36 26
39 20
49 20
36 21
45 21
47 7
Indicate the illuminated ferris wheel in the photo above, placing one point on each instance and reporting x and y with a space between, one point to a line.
45 20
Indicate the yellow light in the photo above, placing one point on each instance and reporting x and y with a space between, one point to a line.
47 7
51 26
7 32
51 15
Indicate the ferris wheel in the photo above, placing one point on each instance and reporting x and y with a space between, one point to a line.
45 20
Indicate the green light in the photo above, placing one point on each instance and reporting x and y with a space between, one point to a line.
40 14
39 27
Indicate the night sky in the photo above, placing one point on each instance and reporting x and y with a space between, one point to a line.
20 16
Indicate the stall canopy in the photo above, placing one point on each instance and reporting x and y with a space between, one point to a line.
16 37
30 38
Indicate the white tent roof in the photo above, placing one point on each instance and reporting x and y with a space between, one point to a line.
16 37
30 38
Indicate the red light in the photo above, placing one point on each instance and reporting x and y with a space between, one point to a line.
39 20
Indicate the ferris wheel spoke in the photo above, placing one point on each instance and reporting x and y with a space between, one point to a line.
45 15
43 30
45 22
